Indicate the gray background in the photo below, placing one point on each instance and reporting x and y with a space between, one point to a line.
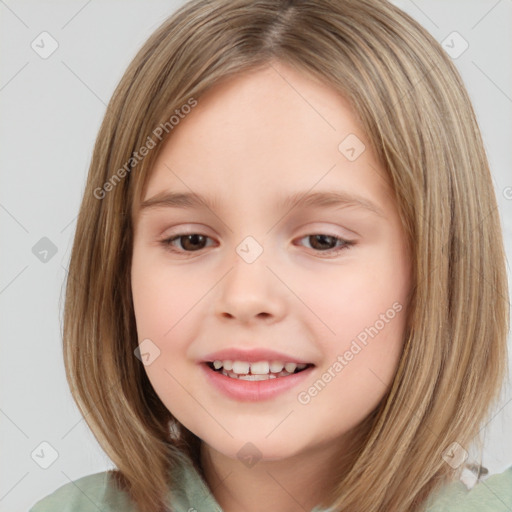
51 110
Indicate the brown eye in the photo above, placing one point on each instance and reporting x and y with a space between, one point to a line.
188 242
327 243
322 242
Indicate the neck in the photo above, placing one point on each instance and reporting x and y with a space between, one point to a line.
301 482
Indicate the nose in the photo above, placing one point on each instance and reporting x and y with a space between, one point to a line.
250 292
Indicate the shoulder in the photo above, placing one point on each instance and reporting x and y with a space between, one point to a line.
87 494
494 494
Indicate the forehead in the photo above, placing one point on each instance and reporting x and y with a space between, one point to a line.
269 130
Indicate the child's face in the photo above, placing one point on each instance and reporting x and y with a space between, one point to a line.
250 143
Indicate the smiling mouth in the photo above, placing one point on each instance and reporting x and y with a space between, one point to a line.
256 371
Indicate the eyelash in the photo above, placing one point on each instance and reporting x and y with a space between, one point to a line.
347 244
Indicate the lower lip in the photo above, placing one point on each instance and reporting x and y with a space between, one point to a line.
254 391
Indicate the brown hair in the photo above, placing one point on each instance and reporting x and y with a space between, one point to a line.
416 112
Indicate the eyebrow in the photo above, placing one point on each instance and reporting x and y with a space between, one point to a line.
305 199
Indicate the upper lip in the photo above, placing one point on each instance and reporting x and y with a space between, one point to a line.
252 356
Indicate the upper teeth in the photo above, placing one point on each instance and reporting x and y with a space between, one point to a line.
259 368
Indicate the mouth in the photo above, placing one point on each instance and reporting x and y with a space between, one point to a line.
256 371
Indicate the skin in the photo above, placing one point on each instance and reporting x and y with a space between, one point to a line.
251 140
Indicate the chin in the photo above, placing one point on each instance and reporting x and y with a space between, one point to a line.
252 450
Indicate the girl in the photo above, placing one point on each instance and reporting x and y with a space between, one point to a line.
264 369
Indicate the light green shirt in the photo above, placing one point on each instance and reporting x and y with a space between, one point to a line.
95 493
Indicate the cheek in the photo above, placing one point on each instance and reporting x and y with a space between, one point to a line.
161 296
352 299
366 309
158 310
360 315
166 302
